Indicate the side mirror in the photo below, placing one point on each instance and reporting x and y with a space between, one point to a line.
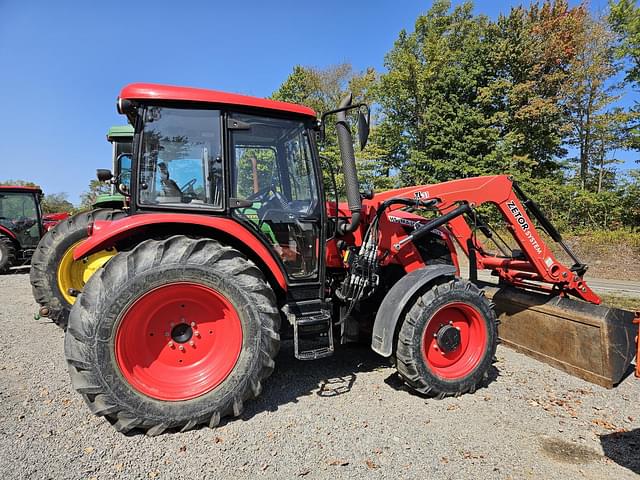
363 128
104 174
363 122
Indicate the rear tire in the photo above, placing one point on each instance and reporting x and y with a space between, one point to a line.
447 341
7 254
50 252
117 346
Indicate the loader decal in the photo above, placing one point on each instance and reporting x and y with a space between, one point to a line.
517 214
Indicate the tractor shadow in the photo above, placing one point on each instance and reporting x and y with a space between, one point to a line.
326 378
396 382
622 448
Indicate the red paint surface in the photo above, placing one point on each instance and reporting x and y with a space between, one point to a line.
7 232
157 365
461 361
106 234
151 91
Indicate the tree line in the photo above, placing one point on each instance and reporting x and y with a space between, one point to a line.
536 93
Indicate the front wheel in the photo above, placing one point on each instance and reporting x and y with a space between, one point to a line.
173 334
447 340
7 254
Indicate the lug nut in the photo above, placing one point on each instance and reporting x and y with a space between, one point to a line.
172 324
170 344
181 348
450 322
191 343
193 324
196 333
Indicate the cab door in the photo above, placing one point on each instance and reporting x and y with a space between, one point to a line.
275 179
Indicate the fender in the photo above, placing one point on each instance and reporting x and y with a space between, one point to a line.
395 301
106 234
8 233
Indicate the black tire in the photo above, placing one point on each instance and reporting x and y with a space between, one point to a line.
49 253
412 365
94 319
7 254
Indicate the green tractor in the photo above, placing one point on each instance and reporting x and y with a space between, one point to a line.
120 138
56 279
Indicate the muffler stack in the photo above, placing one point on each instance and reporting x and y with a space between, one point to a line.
593 342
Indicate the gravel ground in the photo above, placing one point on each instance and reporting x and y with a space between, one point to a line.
347 417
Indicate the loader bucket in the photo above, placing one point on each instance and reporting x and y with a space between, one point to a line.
593 342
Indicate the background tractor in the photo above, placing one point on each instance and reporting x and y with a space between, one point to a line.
21 225
233 238
120 138
56 278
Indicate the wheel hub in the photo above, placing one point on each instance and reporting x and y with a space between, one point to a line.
448 338
181 333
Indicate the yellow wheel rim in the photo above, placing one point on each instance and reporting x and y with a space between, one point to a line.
72 274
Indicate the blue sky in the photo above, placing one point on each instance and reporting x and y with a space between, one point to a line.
63 64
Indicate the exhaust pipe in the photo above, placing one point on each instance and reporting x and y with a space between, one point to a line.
347 155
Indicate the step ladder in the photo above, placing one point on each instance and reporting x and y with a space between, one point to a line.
312 329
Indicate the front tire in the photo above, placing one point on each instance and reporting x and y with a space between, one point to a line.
7 254
53 270
447 341
172 334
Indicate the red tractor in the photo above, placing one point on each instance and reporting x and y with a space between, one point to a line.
21 225
232 238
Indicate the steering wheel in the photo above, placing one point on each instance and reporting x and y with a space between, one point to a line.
189 184
262 194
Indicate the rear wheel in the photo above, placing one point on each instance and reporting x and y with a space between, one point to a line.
7 254
55 276
447 341
172 334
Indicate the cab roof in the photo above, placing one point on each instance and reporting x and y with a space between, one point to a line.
151 91
20 188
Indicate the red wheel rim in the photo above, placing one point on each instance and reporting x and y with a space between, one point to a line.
178 341
461 360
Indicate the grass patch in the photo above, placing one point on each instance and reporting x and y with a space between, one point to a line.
620 301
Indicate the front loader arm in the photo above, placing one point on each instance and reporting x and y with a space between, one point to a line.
539 263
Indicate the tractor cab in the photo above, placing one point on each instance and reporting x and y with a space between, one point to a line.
226 155
20 224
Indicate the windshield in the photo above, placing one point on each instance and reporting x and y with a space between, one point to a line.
181 158
19 213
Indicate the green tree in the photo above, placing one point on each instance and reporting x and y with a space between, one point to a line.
533 50
56 203
18 183
589 97
624 16
322 89
435 129
95 188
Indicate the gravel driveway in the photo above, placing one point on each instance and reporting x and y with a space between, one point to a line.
344 417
